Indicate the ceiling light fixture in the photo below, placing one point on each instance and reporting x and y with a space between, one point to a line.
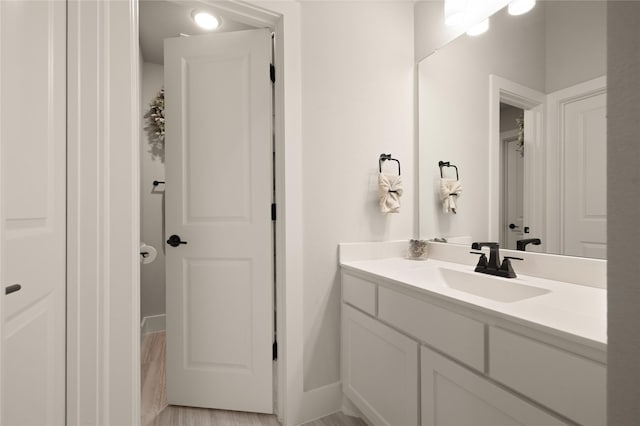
519 7
206 20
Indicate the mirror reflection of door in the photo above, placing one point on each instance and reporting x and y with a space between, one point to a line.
511 228
584 139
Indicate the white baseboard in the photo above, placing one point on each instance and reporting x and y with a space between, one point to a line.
321 402
152 324
350 409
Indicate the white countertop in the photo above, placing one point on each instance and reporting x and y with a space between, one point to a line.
570 311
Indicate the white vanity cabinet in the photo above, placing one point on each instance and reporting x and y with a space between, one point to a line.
379 369
569 384
454 395
412 358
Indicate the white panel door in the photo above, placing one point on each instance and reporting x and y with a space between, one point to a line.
33 233
218 197
513 223
584 136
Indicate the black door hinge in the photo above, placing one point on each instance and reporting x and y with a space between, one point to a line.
273 211
272 73
275 350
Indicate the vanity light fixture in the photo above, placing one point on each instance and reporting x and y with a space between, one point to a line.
205 20
519 7
455 12
471 15
479 28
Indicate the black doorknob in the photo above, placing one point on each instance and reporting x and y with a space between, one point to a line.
175 241
513 226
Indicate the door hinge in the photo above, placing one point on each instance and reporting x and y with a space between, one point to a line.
273 211
275 350
272 73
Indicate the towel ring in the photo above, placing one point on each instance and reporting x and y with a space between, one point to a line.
384 157
442 164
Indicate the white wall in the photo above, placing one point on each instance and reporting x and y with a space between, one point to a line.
576 42
152 279
623 151
357 102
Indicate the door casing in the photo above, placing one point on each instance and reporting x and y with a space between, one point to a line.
103 333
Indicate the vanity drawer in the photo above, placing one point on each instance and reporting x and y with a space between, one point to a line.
564 382
456 335
359 293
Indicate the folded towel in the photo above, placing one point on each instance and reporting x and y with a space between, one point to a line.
449 192
389 192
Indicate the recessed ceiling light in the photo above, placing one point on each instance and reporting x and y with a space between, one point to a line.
519 7
206 20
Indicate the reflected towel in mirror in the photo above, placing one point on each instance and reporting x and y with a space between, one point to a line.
449 192
389 192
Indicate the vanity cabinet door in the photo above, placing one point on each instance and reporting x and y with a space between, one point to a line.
453 395
569 384
379 370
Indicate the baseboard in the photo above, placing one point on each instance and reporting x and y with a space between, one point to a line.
320 402
350 409
153 323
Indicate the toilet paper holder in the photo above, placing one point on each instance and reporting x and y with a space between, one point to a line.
147 253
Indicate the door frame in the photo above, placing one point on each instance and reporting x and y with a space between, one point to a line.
103 317
533 104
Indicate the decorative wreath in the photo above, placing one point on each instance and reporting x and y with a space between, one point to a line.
520 123
156 117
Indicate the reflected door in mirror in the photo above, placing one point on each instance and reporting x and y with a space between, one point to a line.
585 210
513 190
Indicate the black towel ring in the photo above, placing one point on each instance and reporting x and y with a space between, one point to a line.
384 157
442 164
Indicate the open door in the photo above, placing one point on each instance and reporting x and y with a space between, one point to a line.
33 214
219 255
513 190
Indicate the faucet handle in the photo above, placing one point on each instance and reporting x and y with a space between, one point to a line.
512 257
507 268
482 261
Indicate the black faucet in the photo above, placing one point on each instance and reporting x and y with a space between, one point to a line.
494 254
493 266
522 244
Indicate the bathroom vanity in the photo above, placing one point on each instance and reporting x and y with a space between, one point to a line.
433 343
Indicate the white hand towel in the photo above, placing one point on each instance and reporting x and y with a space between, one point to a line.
389 193
449 192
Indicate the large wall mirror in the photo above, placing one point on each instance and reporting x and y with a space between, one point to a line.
521 112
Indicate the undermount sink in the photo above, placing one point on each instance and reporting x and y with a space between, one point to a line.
495 288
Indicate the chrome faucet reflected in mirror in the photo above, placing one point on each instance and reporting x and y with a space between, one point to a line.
493 266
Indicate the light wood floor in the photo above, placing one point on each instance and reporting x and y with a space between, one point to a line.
156 412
